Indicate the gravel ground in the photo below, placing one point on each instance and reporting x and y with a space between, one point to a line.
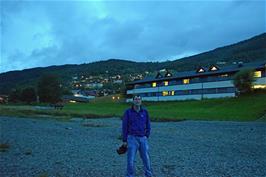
48 147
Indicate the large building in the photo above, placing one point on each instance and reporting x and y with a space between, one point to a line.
204 82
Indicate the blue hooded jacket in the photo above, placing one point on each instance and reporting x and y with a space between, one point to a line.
136 123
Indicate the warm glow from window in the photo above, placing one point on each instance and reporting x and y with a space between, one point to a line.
224 75
257 74
214 68
259 86
154 84
173 93
165 93
165 83
201 70
185 81
72 101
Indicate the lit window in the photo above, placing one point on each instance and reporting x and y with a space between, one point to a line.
165 83
168 75
173 93
257 74
259 86
165 93
201 70
213 68
154 84
185 81
224 75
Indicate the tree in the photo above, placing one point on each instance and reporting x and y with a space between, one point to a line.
49 89
243 80
28 95
14 96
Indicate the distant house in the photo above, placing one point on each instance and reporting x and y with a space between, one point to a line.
94 85
204 82
70 98
3 99
80 96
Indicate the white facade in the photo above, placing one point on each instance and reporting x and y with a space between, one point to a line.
192 91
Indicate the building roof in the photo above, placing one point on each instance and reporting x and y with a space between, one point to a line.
207 71
75 98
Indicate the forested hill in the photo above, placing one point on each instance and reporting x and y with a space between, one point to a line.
249 50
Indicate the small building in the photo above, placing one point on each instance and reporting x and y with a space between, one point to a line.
94 85
80 96
204 82
3 99
70 98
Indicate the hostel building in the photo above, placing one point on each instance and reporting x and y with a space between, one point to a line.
204 82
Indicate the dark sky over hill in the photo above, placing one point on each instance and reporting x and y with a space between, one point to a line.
45 33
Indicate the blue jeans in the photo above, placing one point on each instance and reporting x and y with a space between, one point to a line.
134 144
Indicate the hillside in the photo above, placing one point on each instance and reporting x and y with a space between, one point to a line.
253 49
250 50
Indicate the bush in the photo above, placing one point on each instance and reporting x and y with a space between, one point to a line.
28 95
243 80
49 89
14 96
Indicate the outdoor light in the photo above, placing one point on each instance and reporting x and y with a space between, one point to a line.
259 86
257 74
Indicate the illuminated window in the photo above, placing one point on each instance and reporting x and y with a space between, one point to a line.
224 75
165 93
165 83
259 86
213 68
257 74
200 70
168 75
154 84
185 81
173 93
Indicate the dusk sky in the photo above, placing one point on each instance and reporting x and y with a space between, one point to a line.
44 33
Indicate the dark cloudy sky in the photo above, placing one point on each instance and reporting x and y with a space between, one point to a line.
43 33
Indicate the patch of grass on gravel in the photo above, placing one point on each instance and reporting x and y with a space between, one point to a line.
4 147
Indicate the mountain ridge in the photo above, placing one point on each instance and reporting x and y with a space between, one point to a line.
249 50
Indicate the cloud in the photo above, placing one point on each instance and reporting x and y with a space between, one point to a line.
46 33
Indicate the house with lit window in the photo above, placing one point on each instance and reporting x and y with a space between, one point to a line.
204 82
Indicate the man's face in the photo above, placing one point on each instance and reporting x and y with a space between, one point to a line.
137 101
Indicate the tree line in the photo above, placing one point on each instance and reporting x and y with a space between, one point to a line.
48 90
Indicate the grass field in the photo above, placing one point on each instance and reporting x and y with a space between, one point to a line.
244 108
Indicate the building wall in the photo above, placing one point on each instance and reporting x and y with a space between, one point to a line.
183 87
261 80
211 88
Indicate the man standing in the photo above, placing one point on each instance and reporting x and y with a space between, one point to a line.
136 130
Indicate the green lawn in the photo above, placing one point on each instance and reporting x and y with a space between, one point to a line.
244 108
